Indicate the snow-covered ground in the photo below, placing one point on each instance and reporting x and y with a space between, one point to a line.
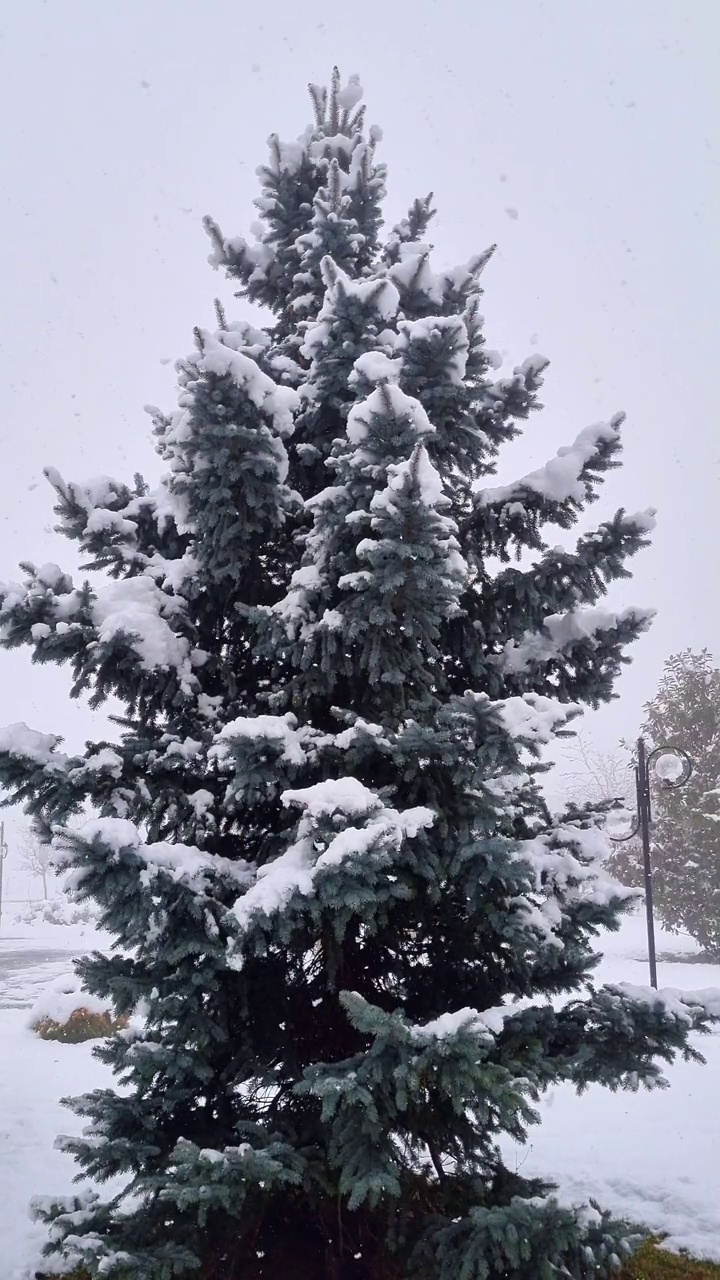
34 1075
650 1157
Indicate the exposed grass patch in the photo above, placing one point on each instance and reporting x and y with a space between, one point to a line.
74 1275
81 1025
654 1263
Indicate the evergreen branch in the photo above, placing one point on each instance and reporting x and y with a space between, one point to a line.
561 580
576 656
615 1037
118 528
117 642
513 515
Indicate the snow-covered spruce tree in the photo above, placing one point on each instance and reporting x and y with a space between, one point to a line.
685 713
342 909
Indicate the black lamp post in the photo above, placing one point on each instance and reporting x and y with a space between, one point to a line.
643 818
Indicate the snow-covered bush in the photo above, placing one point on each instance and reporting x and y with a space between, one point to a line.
65 1011
57 911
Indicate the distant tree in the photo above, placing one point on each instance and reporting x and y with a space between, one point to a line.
587 774
685 712
34 856
605 779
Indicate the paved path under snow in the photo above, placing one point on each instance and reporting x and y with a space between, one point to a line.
28 964
25 971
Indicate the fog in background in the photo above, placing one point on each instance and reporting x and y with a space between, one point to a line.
582 138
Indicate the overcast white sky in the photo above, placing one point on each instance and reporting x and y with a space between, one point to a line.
582 138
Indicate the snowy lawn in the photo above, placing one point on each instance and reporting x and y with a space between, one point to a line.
651 1157
34 1075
